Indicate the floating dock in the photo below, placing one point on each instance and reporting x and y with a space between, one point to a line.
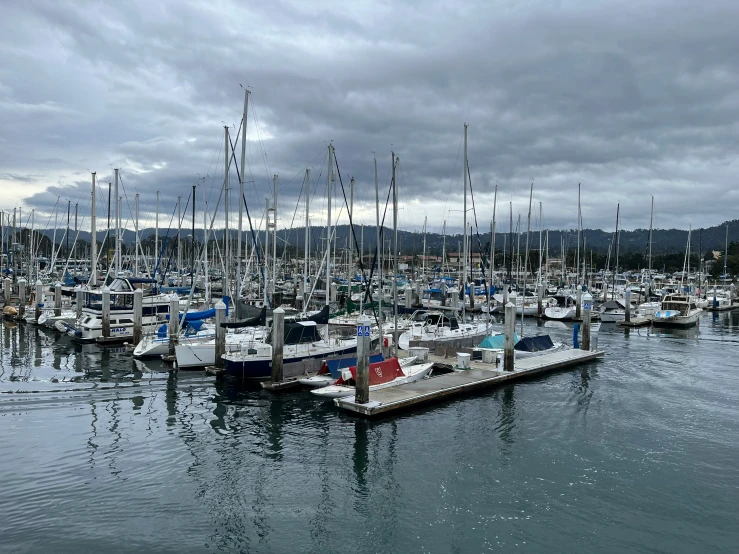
479 376
636 322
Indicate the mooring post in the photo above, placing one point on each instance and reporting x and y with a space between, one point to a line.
510 330
39 299
627 313
332 293
6 289
21 297
505 296
540 301
220 333
586 315
78 294
278 342
443 294
138 307
174 322
106 312
57 299
578 307
408 297
363 355
419 293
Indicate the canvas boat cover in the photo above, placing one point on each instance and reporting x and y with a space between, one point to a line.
496 342
300 333
534 344
380 372
335 365
258 321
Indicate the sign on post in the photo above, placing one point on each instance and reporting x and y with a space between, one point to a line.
359 330
586 305
366 330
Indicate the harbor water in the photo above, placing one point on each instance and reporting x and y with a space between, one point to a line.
637 452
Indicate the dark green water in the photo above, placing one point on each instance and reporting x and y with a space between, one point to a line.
635 453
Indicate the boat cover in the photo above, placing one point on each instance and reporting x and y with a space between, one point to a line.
297 333
258 321
334 366
534 344
496 342
380 372
196 316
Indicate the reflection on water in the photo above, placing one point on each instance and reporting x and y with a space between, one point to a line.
211 466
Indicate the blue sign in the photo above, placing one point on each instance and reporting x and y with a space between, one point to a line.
359 330
586 305
366 330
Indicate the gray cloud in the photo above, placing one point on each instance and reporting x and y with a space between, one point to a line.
630 100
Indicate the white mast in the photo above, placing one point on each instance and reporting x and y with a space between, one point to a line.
379 246
226 284
93 239
577 268
526 256
423 261
464 226
274 236
266 248
350 271
156 233
137 244
328 224
395 256
306 251
179 243
241 195
117 217
649 276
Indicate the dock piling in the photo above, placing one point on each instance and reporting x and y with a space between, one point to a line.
509 332
586 327
174 322
408 297
278 344
78 294
578 307
540 300
6 289
106 312
39 297
220 333
138 305
57 299
363 355
21 297
627 313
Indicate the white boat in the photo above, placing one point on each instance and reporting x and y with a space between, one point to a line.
325 378
193 352
439 327
384 374
677 310
567 309
614 311
716 300
648 309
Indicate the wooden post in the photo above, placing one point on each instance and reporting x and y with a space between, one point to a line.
106 312
21 297
174 322
57 299
419 293
363 355
220 333
510 330
578 307
79 297
586 327
6 289
408 297
332 293
627 315
138 305
39 299
278 342
540 301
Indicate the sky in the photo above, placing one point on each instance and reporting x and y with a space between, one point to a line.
629 99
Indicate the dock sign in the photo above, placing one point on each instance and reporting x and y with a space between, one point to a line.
359 330
366 330
363 330
586 305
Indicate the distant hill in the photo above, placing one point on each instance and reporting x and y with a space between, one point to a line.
664 241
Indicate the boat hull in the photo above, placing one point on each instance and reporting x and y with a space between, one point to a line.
258 368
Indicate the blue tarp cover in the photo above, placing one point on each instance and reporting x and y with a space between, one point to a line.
496 342
534 344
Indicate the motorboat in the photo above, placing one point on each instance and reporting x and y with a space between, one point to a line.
614 310
677 310
566 308
439 327
382 375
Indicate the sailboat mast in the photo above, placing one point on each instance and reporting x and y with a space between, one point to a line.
350 256
423 261
328 224
577 264
306 248
464 226
241 195
192 240
395 255
378 243
526 256
226 287
117 217
274 236
615 269
93 239
156 232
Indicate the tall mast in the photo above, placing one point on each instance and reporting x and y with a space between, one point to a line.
395 255
179 244
577 264
464 226
274 236
649 276
138 240
192 240
350 270
726 253
328 224
306 252
541 248
156 233
379 244
510 245
226 284
266 249
423 261
443 246
93 240
613 294
526 257
117 217
241 194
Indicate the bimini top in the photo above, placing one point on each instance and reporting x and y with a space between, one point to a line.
301 333
534 344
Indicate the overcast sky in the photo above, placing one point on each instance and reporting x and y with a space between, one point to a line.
631 99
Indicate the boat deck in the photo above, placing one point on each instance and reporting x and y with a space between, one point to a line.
479 376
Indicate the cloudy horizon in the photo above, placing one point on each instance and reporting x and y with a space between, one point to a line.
628 100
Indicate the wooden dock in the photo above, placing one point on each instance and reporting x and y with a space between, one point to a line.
479 376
